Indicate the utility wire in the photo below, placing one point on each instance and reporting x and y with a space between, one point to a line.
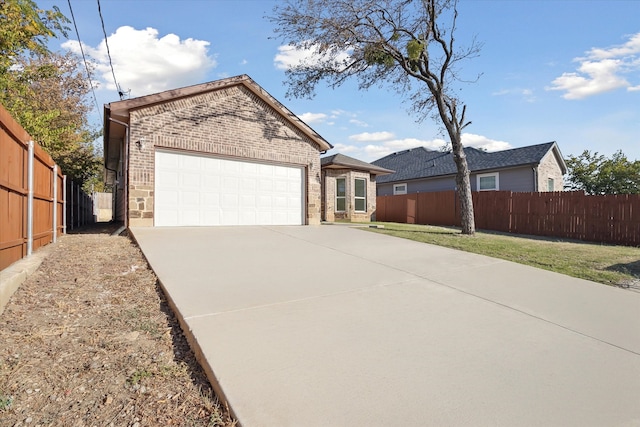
84 58
109 53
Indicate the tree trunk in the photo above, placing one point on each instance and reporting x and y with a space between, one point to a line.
464 189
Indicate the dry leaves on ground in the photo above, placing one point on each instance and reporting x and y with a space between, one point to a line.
89 340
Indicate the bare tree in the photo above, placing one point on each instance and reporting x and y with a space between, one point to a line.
399 42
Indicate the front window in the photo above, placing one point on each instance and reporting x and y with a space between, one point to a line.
399 189
341 194
361 195
550 185
488 182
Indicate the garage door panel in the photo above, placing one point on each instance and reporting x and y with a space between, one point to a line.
265 170
280 203
230 183
248 218
211 216
264 203
200 190
265 185
210 200
190 216
249 168
211 182
168 179
167 216
229 218
249 185
191 179
229 201
231 167
168 161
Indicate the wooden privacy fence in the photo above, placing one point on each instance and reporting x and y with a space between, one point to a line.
103 206
79 207
32 194
573 215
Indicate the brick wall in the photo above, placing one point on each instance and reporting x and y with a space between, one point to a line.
230 122
329 195
549 168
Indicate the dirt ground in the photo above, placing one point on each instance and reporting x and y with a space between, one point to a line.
89 340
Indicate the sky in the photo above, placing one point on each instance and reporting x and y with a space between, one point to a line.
551 70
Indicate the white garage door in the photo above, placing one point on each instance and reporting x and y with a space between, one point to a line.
200 190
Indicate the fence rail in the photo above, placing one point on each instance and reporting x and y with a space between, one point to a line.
611 219
33 194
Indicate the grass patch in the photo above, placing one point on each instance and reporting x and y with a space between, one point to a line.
5 402
138 376
611 265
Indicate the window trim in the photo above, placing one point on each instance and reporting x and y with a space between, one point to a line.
551 184
356 197
343 197
485 175
395 192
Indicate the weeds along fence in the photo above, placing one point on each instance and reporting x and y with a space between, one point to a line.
613 219
33 194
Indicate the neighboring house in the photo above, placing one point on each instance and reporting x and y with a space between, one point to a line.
349 188
218 153
534 168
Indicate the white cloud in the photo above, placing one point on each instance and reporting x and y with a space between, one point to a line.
372 151
244 62
313 117
630 48
345 149
359 123
601 70
526 94
290 56
146 63
601 77
484 143
371 136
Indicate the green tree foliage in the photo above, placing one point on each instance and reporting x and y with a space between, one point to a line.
408 45
597 174
25 29
47 92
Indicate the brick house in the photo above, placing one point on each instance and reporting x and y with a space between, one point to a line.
349 188
219 153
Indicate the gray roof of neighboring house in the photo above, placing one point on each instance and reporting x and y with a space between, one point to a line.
340 161
420 162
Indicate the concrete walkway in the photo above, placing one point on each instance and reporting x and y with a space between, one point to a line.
334 326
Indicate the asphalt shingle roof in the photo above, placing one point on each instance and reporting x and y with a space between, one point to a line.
340 160
420 162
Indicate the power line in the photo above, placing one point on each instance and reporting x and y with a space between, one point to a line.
109 53
84 58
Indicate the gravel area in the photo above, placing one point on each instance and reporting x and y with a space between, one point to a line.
89 340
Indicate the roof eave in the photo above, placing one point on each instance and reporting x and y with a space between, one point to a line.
123 108
373 170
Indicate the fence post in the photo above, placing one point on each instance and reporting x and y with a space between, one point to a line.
64 204
30 199
55 203
78 205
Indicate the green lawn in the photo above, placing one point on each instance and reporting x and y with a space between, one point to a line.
600 263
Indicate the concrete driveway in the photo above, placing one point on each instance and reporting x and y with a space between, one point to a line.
334 326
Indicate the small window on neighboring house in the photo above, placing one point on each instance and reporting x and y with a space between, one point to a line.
360 196
341 194
399 189
550 185
488 182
